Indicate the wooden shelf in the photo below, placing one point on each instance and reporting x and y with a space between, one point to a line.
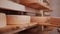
48 24
47 21
35 4
15 28
9 5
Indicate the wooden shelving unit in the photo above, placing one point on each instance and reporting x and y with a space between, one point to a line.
17 7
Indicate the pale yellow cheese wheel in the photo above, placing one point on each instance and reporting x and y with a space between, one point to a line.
18 19
2 20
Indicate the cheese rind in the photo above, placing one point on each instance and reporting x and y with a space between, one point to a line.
2 20
18 19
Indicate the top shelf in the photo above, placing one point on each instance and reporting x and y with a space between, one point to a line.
37 4
9 5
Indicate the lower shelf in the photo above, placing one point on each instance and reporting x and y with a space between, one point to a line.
14 28
9 29
49 24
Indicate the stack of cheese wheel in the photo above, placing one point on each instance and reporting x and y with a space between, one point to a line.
18 20
2 20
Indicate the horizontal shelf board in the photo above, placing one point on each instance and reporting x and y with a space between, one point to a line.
11 5
15 28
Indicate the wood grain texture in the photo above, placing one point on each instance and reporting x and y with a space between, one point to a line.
40 19
55 20
52 21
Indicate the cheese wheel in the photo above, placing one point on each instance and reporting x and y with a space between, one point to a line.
18 19
2 20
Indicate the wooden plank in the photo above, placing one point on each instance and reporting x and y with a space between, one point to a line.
15 28
11 5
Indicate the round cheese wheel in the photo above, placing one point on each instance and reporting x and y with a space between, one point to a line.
18 19
2 20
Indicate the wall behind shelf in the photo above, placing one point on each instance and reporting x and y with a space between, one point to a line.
55 4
